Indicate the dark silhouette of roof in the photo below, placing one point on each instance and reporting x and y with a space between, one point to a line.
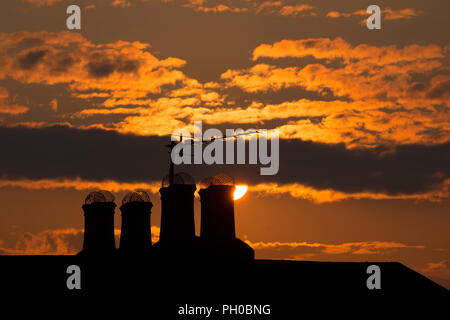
182 267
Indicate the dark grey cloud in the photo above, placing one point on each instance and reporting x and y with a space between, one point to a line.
438 90
56 152
101 66
441 90
61 62
26 43
30 59
91 154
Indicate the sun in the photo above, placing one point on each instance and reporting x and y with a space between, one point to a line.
240 192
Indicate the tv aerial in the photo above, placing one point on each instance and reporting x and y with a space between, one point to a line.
202 141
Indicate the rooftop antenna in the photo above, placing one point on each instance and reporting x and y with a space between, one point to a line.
174 143
171 164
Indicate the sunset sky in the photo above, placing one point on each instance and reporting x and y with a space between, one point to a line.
363 116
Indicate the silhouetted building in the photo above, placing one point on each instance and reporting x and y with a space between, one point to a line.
181 260
177 210
177 232
99 223
217 230
217 212
135 235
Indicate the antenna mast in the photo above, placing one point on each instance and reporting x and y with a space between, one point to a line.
173 144
171 165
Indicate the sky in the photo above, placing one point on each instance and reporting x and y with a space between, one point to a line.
363 118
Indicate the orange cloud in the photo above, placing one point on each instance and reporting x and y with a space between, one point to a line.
13 109
295 9
356 123
120 73
70 241
199 5
121 69
407 13
338 48
317 196
56 242
386 14
373 128
356 80
29 124
54 105
268 6
6 107
121 3
376 80
438 271
382 101
220 8
295 190
48 242
79 184
402 115
355 248
336 14
43 3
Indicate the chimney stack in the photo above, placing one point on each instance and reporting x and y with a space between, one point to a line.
177 210
217 212
99 223
217 231
135 236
